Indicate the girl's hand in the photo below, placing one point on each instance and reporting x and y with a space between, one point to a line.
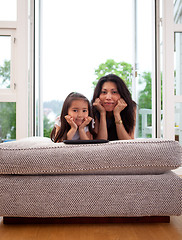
71 122
121 105
99 106
86 121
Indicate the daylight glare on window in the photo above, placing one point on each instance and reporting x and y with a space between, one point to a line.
5 57
8 10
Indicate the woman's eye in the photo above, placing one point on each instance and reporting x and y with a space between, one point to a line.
103 92
114 92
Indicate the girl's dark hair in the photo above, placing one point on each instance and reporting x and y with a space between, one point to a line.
127 114
65 127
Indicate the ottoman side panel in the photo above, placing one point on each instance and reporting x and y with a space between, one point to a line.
91 195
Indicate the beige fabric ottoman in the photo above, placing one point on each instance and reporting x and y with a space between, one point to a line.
40 179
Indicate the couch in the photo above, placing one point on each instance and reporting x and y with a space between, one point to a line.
131 180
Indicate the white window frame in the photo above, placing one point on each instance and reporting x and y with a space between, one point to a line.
18 92
168 69
169 99
9 94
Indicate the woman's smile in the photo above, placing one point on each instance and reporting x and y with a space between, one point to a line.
109 96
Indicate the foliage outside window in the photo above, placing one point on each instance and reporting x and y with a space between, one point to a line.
5 75
7 109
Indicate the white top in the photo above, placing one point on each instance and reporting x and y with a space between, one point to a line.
77 136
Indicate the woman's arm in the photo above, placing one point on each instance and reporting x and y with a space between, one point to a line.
100 126
120 129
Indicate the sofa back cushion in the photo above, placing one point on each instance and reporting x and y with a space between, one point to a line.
39 155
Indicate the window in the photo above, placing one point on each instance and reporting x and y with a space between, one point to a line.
5 61
7 83
14 64
78 41
7 121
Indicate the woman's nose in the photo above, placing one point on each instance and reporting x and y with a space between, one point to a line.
108 96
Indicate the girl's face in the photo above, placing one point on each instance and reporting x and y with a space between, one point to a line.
78 110
109 96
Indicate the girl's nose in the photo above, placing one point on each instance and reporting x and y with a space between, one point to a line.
79 114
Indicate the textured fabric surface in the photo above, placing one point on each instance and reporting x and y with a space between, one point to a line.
42 156
90 195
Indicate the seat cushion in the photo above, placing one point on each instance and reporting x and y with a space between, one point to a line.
90 195
39 155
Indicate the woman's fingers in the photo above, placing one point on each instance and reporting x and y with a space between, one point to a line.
121 105
98 105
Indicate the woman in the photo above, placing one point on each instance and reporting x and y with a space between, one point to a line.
114 110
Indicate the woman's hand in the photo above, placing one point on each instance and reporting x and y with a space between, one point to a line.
99 106
71 122
86 121
121 105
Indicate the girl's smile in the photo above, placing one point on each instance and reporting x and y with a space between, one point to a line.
78 110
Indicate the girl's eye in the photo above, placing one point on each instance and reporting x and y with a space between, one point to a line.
85 110
74 110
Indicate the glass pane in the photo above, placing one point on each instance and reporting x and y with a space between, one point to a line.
92 39
144 67
88 34
178 122
178 64
5 57
8 10
178 11
7 121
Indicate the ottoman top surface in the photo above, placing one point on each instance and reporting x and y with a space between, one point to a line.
39 155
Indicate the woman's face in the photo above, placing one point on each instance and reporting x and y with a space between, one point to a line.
109 96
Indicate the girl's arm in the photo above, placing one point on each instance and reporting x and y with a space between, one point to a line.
85 135
57 129
57 125
70 134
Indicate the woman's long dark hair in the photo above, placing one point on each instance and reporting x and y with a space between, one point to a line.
127 115
65 127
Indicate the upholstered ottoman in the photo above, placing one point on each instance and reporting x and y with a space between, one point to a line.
131 179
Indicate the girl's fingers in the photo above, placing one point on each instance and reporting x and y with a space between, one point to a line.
88 120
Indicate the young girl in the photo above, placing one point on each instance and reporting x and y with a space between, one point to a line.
75 120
